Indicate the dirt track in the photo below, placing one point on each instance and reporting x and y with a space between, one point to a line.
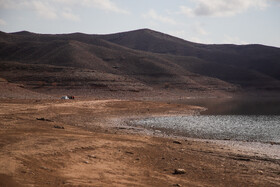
89 152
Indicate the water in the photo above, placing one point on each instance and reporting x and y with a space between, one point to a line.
265 128
245 119
237 106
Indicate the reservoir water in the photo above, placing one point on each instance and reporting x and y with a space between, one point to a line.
241 120
233 127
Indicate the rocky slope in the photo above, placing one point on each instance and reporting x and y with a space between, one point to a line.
135 61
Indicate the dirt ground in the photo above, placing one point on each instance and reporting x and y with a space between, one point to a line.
75 143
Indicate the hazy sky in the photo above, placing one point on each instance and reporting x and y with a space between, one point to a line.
204 21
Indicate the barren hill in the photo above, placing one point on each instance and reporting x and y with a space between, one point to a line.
134 61
247 61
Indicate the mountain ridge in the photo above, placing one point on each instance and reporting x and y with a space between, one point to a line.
149 58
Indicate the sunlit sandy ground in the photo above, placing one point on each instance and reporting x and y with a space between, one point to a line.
75 143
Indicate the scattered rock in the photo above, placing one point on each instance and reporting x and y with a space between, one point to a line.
274 143
260 172
177 142
42 167
128 152
86 162
137 159
92 156
179 171
44 119
178 185
58 127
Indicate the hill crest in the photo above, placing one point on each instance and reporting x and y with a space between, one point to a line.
147 57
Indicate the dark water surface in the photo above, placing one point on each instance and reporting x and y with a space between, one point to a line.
246 119
238 106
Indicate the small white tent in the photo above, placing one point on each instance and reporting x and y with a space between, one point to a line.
65 97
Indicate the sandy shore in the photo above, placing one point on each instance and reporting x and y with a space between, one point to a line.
77 143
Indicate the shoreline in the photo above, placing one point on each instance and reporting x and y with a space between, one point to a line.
253 148
58 143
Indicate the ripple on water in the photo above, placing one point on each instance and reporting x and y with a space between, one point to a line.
262 128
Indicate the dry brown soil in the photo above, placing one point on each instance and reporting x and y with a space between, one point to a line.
89 151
